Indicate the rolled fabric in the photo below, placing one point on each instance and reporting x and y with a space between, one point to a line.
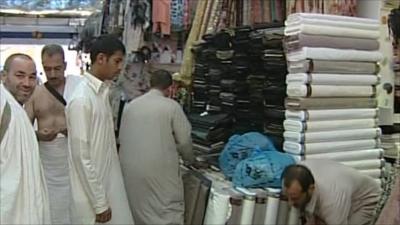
283 212
331 114
248 206
218 207
260 206
323 30
349 155
294 216
295 42
301 90
314 126
330 136
273 201
323 19
330 103
332 79
334 54
329 147
330 67
374 173
365 164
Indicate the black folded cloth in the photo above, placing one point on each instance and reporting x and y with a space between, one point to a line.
211 121
222 41
274 113
271 89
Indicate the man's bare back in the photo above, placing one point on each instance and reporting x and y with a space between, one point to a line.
49 113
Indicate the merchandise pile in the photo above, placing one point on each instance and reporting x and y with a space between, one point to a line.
331 109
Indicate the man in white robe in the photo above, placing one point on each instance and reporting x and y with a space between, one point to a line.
23 191
98 191
154 132
47 107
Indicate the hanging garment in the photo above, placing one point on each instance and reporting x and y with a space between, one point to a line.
177 15
154 132
23 190
96 179
162 16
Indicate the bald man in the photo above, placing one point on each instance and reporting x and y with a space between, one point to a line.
23 191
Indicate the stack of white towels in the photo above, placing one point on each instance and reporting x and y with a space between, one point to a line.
331 109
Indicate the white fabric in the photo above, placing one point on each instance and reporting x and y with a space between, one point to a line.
322 18
54 156
293 216
329 136
349 155
272 209
374 173
332 79
329 147
331 114
365 164
328 125
301 90
96 179
218 207
326 30
23 190
334 54
71 82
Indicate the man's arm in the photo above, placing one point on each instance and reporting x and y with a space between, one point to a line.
78 115
182 131
338 212
29 107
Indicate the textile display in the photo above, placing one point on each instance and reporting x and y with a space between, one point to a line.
272 209
333 114
337 7
329 147
329 67
365 164
328 136
332 79
299 90
329 103
331 87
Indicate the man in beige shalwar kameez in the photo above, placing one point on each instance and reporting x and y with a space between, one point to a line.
154 132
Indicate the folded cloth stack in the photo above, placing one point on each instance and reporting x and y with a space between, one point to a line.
331 109
210 131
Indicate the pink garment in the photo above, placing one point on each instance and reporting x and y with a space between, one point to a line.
161 16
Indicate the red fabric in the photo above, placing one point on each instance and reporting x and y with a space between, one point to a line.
162 16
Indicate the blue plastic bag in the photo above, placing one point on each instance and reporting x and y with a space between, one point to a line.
262 169
240 147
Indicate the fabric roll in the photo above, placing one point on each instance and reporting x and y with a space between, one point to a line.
330 136
293 43
330 67
374 173
329 147
332 79
294 216
236 203
365 164
322 18
349 155
334 54
333 114
271 215
300 90
323 30
315 126
260 207
217 207
330 103
283 212
248 207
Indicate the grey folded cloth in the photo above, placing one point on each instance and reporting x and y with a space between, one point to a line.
330 103
335 67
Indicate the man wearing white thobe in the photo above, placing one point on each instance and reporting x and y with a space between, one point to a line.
154 132
23 191
98 192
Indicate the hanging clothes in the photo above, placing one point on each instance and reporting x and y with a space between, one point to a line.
177 13
162 16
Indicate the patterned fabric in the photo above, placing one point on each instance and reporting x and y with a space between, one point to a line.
336 7
177 15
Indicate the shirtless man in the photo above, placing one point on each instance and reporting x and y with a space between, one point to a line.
47 107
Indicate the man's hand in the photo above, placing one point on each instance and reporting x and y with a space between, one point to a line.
46 134
104 217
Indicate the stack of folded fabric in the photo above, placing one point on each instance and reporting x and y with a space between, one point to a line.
331 106
274 63
210 131
199 78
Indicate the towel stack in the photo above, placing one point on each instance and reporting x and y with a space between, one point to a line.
331 109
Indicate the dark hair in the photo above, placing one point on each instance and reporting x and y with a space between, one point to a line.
106 44
161 79
53 49
11 58
300 173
